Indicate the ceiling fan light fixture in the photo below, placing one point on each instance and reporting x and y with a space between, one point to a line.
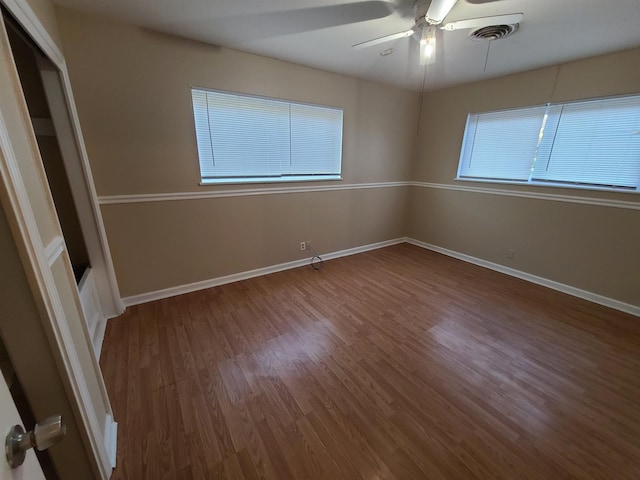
428 45
438 10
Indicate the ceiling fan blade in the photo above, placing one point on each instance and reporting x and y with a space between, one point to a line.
508 19
258 26
386 38
438 10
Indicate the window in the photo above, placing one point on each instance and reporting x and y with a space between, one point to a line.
590 144
252 139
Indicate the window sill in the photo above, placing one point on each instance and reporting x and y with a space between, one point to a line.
300 178
545 184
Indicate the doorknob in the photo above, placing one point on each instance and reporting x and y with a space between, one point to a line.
44 434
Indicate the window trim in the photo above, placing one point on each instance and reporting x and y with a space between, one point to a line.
302 178
533 183
281 179
536 183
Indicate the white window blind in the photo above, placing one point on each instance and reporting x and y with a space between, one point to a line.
243 138
501 145
590 144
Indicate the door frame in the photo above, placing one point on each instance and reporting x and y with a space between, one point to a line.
39 259
69 135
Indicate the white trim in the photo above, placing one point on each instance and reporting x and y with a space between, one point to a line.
64 116
163 197
98 338
236 277
85 404
25 16
561 287
54 250
111 438
118 305
282 179
93 314
601 202
537 183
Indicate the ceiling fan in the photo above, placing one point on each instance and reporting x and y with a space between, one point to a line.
429 19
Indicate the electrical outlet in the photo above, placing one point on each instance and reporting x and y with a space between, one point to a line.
303 246
510 253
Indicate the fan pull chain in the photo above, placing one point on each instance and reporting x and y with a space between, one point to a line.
487 57
424 77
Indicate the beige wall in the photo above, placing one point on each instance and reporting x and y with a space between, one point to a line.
132 89
46 13
163 244
590 247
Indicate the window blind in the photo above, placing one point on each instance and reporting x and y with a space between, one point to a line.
590 144
316 140
242 137
501 145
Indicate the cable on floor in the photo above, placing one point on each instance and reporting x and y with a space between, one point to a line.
316 261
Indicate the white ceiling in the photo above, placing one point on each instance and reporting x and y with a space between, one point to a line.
319 33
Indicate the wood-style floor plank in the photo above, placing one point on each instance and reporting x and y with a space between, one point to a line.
394 364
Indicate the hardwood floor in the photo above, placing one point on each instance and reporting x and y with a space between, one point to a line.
398 363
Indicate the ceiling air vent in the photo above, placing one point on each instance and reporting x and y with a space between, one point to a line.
494 32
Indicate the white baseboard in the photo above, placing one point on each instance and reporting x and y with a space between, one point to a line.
98 339
214 282
561 287
111 439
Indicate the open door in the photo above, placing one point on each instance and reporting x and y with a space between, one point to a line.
42 322
33 363
42 87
